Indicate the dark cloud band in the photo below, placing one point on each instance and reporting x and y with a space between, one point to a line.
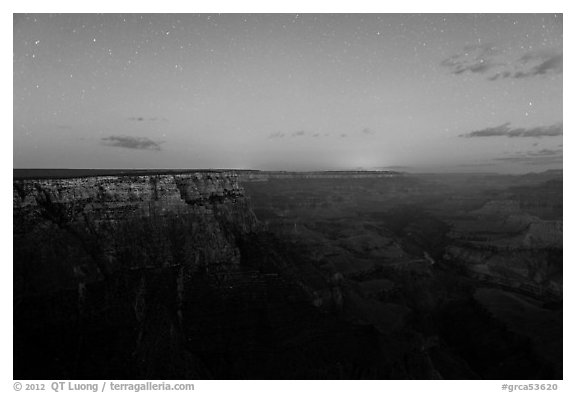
141 118
486 59
476 59
364 132
130 142
507 131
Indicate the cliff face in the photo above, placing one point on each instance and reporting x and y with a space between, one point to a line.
159 277
119 254
98 211
113 197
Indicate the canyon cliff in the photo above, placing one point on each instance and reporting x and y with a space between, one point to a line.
104 253
263 275
164 276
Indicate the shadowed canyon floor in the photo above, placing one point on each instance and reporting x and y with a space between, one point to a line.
280 275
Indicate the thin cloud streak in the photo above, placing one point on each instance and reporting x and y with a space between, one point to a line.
476 59
506 131
130 142
485 59
276 135
540 157
142 118
536 65
364 132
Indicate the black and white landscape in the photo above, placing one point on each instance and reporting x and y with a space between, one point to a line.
288 196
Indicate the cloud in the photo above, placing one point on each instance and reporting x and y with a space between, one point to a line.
279 134
545 152
500 75
141 118
476 59
296 134
477 164
539 157
550 65
316 134
533 64
486 59
130 142
531 160
276 135
507 131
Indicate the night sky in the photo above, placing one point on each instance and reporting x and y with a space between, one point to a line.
289 91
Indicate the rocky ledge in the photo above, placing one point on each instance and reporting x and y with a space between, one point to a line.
111 197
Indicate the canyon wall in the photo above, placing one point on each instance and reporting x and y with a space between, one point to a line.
164 276
111 197
251 176
98 211
170 275
109 256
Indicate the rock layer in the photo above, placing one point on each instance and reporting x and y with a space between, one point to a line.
110 197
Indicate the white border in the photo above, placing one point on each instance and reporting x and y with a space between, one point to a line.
301 6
